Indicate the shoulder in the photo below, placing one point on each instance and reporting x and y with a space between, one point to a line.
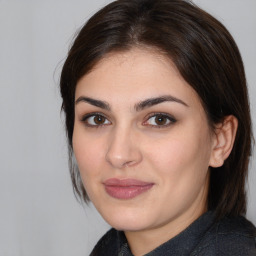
107 245
236 225
230 236
237 234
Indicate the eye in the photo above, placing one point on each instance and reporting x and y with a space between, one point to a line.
160 120
95 120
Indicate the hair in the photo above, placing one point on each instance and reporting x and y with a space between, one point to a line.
206 56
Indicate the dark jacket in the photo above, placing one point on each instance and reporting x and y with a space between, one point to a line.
204 237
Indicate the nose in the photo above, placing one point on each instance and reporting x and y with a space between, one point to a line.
123 150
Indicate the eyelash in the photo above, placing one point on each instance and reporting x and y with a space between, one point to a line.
86 117
170 118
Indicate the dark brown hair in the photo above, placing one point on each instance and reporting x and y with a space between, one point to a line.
207 58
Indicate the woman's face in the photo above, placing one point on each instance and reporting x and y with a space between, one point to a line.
142 142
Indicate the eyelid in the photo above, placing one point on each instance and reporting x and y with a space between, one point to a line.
168 116
165 115
87 116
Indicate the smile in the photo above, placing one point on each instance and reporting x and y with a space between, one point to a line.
127 188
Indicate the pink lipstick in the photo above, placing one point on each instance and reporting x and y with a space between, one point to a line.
126 188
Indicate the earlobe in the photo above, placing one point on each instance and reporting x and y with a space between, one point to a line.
224 138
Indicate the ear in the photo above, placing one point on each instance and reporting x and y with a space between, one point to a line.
223 141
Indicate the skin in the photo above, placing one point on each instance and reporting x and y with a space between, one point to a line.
129 143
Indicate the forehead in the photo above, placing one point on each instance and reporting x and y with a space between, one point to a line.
132 75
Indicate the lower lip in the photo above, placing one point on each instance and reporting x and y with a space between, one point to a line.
127 192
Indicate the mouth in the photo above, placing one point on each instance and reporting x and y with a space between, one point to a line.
126 188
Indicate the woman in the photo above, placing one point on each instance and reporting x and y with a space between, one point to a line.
158 121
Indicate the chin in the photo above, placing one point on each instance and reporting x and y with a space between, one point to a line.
127 220
128 225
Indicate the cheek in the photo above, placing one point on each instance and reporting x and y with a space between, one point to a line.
87 153
168 155
89 160
181 153
181 166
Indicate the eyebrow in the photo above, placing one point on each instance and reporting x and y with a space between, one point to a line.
138 106
94 102
154 101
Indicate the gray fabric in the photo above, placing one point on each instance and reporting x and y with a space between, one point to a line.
204 237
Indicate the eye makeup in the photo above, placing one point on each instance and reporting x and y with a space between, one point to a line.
95 120
159 120
154 120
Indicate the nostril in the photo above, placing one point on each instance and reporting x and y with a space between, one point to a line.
123 159
129 163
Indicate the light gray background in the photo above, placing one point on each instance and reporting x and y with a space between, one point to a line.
38 212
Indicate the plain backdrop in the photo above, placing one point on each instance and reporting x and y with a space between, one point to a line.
39 213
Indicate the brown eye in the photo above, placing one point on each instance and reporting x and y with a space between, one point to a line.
160 120
95 120
99 119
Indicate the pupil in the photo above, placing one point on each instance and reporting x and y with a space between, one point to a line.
161 120
99 119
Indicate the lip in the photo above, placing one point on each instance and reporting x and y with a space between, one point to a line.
126 188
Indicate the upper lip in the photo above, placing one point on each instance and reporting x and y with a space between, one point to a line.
125 182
